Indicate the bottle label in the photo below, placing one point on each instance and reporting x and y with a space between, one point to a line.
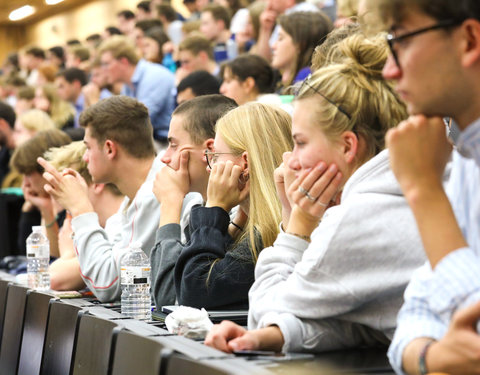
131 275
38 251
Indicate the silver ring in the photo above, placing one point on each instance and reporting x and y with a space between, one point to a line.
306 193
322 204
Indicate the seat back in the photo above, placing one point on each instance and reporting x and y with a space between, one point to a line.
134 354
3 302
59 339
178 364
92 345
34 328
12 328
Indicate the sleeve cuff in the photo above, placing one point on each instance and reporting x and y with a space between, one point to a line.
209 216
289 326
168 231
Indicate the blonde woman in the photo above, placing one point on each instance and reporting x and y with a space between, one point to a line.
335 277
61 112
65 272
215 269
30 123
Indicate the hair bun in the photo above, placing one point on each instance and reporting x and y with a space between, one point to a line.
362 55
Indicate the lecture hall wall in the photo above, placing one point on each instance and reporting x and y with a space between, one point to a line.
78 23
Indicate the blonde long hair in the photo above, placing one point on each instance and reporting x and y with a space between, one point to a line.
264 132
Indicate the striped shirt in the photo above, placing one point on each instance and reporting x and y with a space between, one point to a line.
433 296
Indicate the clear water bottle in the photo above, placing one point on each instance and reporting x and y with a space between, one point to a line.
38 257
135 280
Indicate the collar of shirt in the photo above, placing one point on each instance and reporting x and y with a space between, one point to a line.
468 142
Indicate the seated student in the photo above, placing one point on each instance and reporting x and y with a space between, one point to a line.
118 136
195 53
192 131
215 26
299 33
105 198
61 112
30 123
248 78
196 84
335 278
438 329
215 269
38 207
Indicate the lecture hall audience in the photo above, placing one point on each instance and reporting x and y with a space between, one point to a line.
294 215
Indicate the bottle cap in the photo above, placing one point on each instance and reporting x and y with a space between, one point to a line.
37 228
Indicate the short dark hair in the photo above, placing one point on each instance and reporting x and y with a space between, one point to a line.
73 42
58 51
24 159
144 5
441 10
201 82
146 25
36 51
197 43
254 66
124 120
202 113
94 38
112 30
127 14
73 74
167 11
219 13
7 113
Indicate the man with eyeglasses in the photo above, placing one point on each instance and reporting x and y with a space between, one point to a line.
435 61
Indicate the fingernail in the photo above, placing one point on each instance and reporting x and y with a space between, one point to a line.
233 345
333 168
321 166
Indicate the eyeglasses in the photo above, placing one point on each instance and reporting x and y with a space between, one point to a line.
212 157
392 39
307 83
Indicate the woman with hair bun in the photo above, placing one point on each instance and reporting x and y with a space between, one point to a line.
335 277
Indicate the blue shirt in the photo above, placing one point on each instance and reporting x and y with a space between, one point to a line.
154 86
433 295
79 107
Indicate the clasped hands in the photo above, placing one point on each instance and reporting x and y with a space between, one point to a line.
68 188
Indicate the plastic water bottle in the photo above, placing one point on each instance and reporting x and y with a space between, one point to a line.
38 257
135 281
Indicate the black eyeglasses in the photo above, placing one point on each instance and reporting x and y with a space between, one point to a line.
392 39
307 83
212 157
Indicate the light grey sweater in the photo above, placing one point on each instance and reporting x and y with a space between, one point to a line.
345 288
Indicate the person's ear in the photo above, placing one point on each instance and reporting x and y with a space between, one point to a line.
208 145
98 188
110 148
470 45
245 162
248 84
349 145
